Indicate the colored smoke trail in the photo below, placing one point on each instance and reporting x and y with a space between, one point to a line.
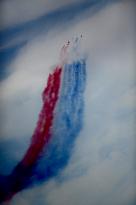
67 122
59 123
18 179
42 132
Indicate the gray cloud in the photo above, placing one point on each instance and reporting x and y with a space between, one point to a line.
27 10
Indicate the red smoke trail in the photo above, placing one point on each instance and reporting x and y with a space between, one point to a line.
19 178
50 95
42 133
16 180
21 173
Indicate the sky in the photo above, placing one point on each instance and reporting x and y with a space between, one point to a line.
101 169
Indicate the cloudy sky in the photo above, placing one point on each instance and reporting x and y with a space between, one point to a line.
101 170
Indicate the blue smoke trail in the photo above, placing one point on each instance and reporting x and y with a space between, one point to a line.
68 121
